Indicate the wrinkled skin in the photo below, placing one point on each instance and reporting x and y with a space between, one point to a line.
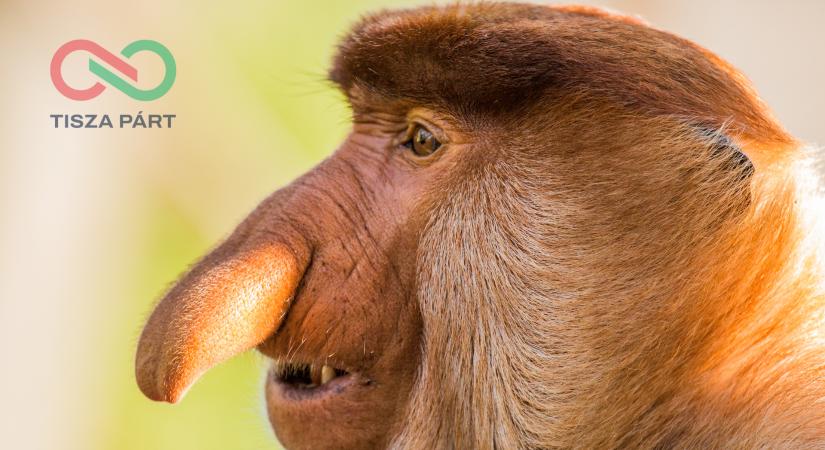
352 224
599 254
355 302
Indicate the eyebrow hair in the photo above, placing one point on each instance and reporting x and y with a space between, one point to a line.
501 60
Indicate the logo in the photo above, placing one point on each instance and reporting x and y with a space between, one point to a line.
120 65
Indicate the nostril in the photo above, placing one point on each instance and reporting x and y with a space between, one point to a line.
268 346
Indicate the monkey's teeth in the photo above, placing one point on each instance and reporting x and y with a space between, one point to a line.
327 374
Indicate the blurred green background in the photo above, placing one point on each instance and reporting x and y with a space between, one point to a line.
95 224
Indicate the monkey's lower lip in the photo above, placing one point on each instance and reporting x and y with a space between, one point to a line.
304 380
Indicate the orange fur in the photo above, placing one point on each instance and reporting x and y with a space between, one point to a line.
616 246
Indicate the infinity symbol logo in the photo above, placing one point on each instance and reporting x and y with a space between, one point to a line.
118 64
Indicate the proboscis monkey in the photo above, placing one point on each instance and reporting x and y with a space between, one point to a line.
550 227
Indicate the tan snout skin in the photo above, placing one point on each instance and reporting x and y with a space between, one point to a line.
214 313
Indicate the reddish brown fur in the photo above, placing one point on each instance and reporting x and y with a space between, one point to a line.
499 58
589 261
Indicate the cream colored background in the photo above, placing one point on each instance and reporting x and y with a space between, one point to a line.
95 223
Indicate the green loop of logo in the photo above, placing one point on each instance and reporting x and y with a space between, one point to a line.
140 94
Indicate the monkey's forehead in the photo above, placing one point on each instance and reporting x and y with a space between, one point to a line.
500 57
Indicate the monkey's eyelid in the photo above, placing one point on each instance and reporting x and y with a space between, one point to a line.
421 141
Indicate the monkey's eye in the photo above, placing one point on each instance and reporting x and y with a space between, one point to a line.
422 142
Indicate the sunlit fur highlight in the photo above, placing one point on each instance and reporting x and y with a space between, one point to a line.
594 274
616 246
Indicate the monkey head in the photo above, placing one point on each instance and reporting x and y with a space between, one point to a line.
514 225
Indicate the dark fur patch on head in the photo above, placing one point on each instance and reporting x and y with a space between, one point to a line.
734 159
498 58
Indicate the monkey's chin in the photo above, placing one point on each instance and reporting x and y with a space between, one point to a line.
301 400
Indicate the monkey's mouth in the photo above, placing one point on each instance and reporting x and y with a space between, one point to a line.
298 379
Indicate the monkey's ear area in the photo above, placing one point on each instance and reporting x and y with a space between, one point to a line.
731 158
731 170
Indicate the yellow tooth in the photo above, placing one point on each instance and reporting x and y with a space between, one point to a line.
327 374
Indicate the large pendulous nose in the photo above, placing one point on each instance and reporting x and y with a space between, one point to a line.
228 303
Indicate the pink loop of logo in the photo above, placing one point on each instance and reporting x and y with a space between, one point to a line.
95 49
